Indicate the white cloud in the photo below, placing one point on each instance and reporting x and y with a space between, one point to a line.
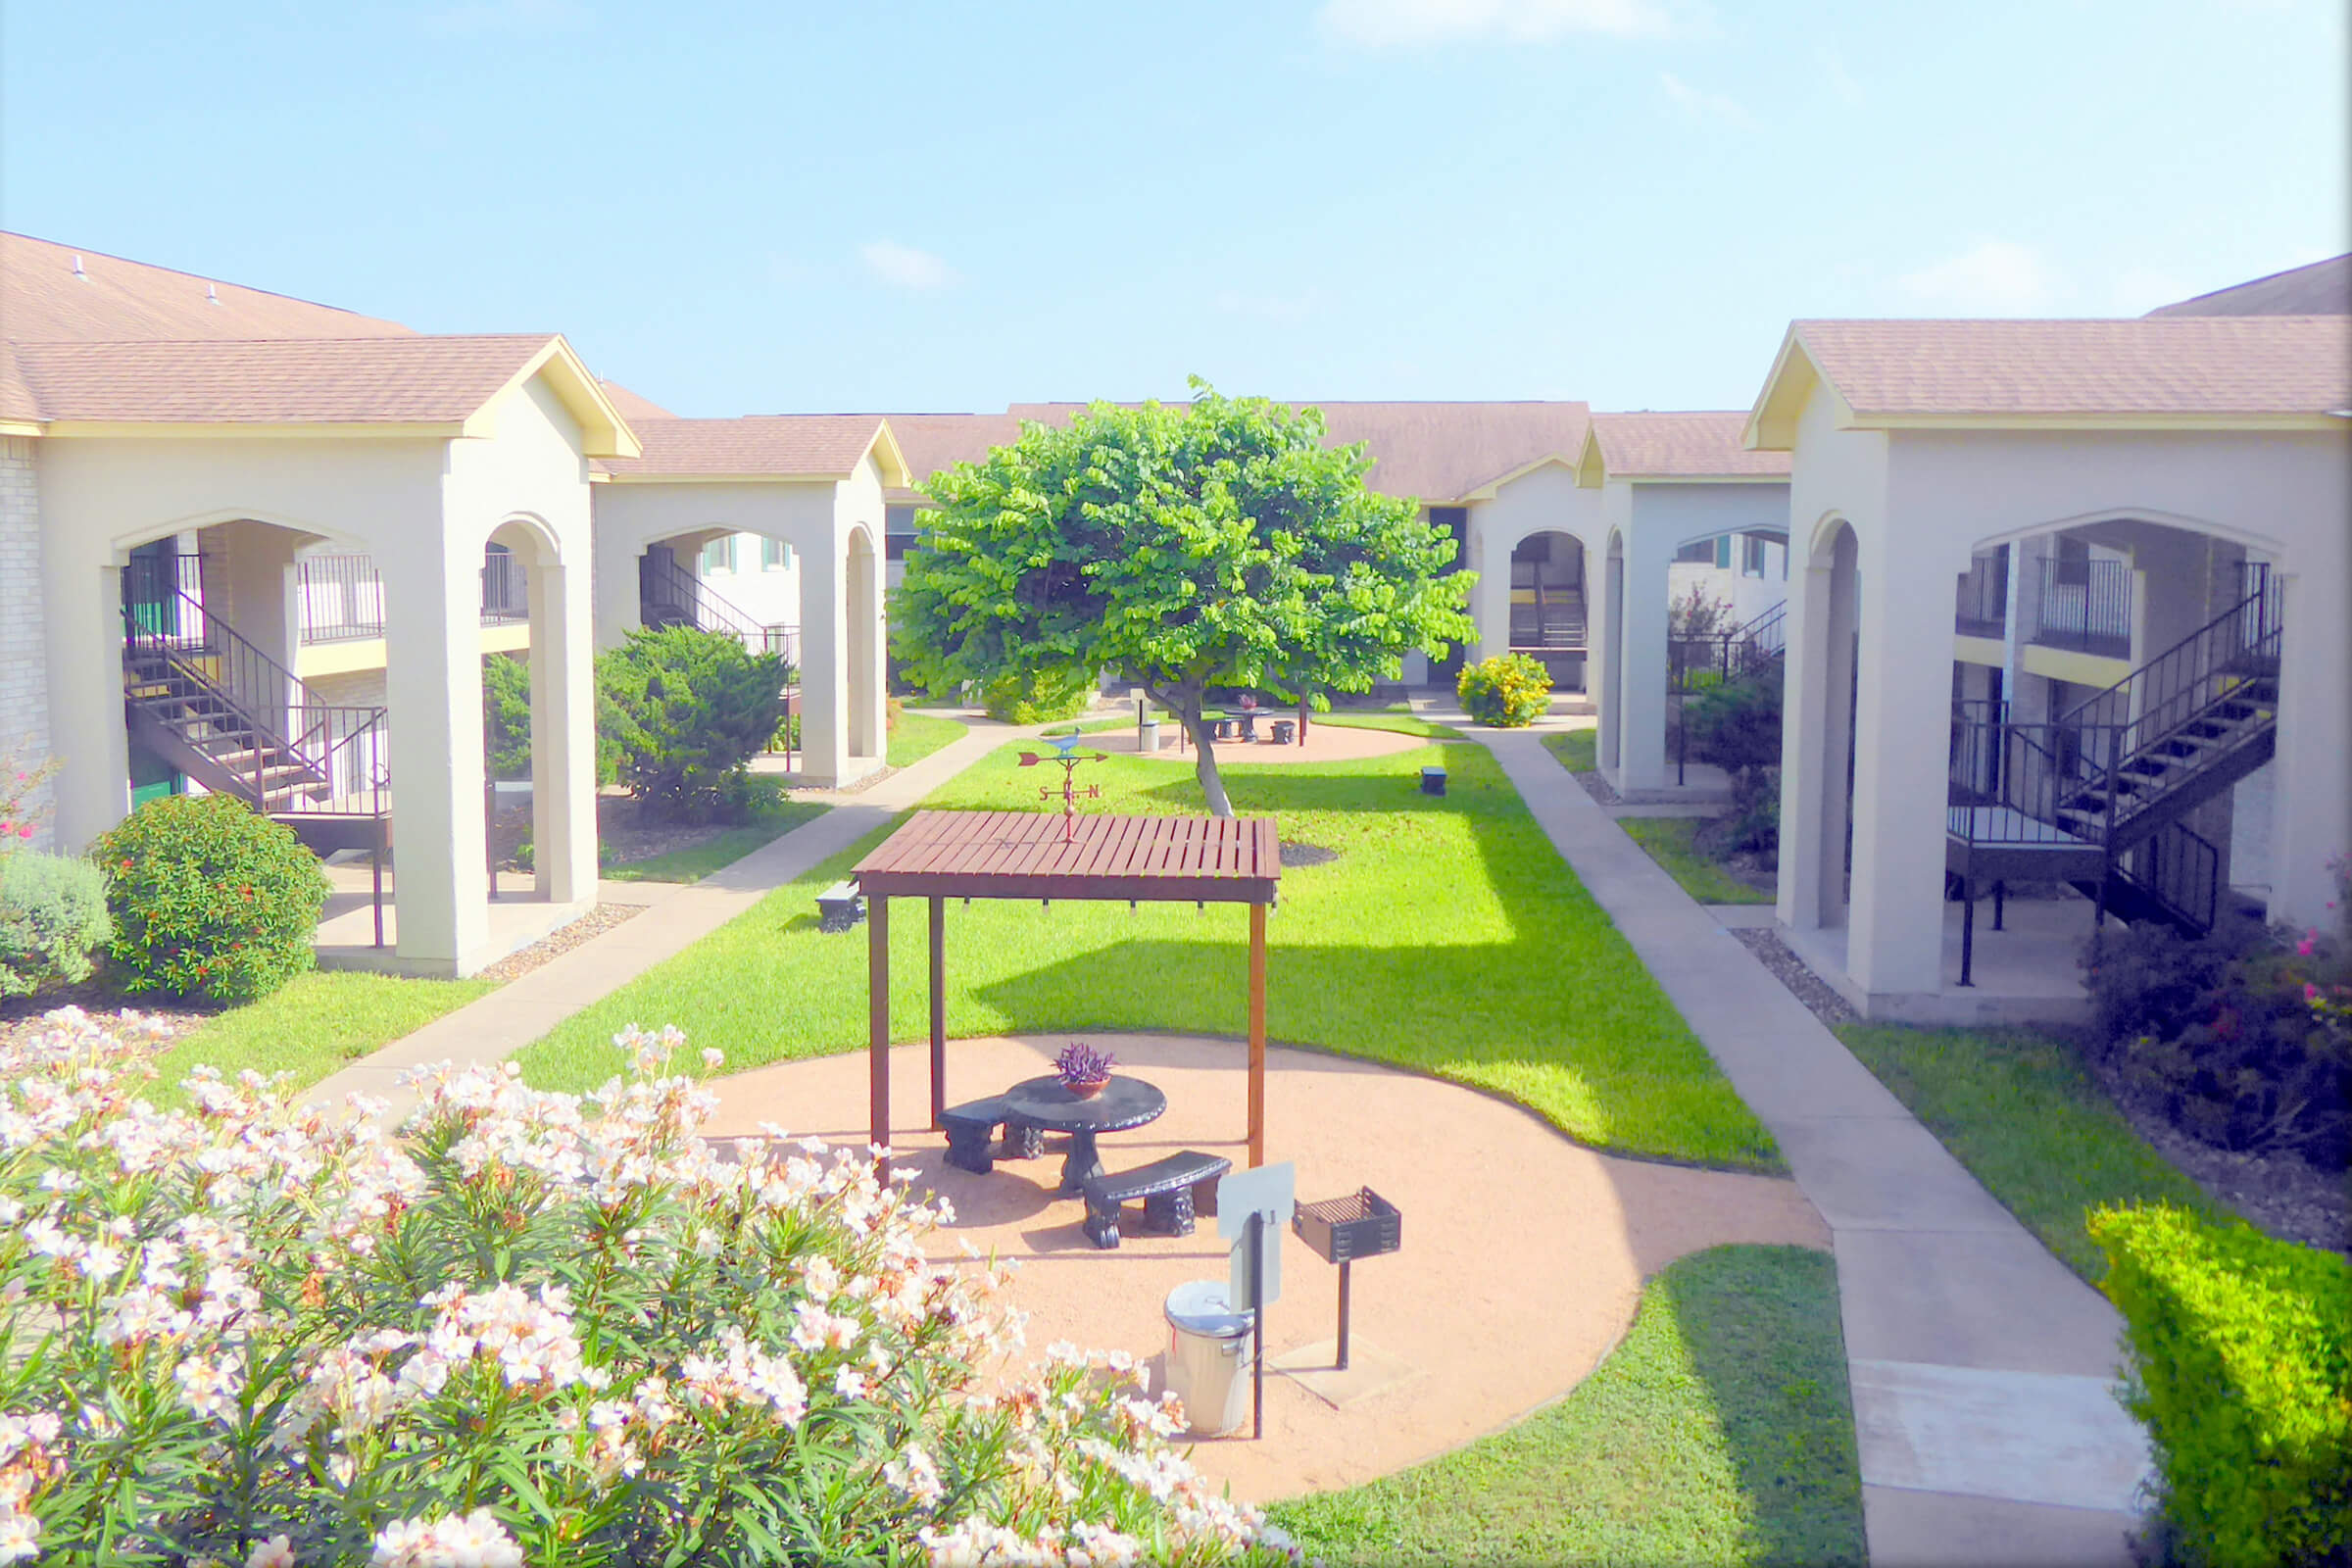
1699 104
1391 23
905 267
1991 277
1841 83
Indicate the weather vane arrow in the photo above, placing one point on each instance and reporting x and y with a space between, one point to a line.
1065 753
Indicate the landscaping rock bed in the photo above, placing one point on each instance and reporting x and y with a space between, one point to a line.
595 923
1789 970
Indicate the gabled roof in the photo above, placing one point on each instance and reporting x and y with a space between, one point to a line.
762 446
42 300
1689 446
632 406
2165 372
2324 288
1439 453
408 384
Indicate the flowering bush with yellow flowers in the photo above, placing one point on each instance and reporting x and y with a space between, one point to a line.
531 1327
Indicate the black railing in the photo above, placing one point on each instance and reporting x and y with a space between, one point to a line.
669 595
2185 871
290 751
2016 783
342 598
1983 599
163 600
506 590
2084 606
1551 620
1695 664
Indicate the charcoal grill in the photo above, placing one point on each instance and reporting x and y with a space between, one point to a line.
1342 1230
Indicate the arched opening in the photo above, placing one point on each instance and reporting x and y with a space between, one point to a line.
864 646
1548 618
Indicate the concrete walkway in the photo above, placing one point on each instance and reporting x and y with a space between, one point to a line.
676 916
1983 1369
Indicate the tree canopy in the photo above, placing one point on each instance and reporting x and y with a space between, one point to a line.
1219 544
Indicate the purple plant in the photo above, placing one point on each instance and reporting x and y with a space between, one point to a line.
1081 1063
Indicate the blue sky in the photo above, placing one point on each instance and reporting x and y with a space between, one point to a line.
879 206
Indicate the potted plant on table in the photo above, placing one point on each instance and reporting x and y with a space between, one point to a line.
1082 1069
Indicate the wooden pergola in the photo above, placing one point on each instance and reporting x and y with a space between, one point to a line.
1033 855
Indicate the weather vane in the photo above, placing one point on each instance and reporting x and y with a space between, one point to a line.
1065 752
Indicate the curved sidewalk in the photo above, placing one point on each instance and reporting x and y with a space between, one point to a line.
1983 1369
675 918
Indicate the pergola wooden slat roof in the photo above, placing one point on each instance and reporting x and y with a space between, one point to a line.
1023 855
939 855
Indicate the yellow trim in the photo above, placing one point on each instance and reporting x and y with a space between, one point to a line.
2090 421
23 428
1591 465
2064 664
604 433
1980 650
1772 422
364 430
313 659
727 479
1486 491
1593 470
511 638
891 461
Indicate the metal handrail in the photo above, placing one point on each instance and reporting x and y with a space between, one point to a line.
2174 688
506 591
342 598
1981 606
2084 606
660 580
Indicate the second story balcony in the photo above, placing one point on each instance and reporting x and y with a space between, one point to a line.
342 596
2084 606
1982 608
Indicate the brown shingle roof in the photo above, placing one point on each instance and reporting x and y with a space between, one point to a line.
631 407
1686 446
1437 452
2210 365
114 300
812 446
2324 288
384 380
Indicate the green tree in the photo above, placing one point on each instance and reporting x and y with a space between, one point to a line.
680 713
1219 544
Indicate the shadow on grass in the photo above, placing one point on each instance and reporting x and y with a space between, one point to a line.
1719 1430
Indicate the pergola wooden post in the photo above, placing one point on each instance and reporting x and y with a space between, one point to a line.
938 856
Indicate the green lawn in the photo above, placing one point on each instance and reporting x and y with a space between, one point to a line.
918 735
1576 748
694 863
1720 1431
314 1025
1668 838
2019 1111
1448 936
1401 723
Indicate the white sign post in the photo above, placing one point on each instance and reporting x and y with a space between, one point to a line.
1252 1207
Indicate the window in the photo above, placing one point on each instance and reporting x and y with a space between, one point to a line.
774 555
1701 554
1723 552
719 555
899 533
1751 555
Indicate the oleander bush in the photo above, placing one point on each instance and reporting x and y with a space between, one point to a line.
536 1327
1044 698
52 918
209 899
681 711
1508 691
2240 1363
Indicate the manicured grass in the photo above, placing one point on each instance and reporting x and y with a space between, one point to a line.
2021 1113
314 1025
733 844
1576 748
1400 723
1448 936
1668 838
1720 1431
918 735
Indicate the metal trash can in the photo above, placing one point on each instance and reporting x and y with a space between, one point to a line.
1148 732
1208 1357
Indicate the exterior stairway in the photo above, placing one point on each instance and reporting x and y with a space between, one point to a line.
1546 617
174 709
2099 797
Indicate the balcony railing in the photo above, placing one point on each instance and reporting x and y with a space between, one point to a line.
2084 606
1982 608
342 596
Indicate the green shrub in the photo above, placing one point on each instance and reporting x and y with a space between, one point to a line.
682 711
209 899
51 918
2241 1370
1508 691
1039 698
1736 724
506 715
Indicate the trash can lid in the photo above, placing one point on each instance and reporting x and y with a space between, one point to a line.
1199 1307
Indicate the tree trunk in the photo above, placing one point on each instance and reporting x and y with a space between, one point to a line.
1205 764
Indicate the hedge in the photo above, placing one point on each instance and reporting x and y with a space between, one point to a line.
1508 692
2241 1370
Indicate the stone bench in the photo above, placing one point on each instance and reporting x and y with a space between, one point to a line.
971 1130
840 906
1173 1189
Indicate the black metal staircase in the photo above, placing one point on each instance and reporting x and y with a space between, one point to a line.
669 595
2097 797
203 699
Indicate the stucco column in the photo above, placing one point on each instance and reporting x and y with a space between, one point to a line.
2311 803
866 677
1641 659
562 736
616 586
1902 742
825 665
1492 597
1603 614
1814 754
433 689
